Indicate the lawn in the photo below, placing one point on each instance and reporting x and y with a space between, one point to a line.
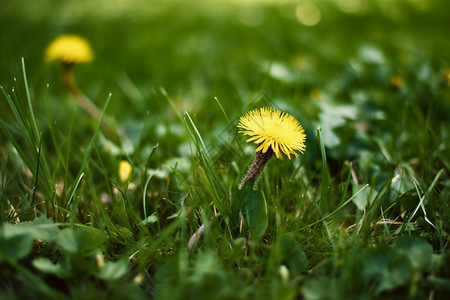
138 193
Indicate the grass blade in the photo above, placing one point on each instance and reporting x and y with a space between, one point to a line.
88 151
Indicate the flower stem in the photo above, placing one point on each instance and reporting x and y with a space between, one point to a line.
257 165
108 126
81 99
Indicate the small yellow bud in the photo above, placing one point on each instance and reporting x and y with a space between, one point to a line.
124 170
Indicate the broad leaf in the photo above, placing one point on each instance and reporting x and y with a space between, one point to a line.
253 206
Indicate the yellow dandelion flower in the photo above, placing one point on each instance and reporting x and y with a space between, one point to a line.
274 132
272 129
124 170
69 49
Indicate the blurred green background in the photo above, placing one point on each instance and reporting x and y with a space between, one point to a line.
203 49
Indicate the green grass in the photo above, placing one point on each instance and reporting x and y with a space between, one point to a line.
363 213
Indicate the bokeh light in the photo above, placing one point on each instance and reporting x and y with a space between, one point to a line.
349 6
308 13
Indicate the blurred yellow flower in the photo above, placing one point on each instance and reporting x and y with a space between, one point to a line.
271 128
396 82
69 49
124 170
446 76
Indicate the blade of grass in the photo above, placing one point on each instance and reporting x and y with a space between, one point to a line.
68 178
172 105
347 183
147 162
37 172
32 142
51 128
153 249
337 209
24 129
71 196
30 105
89 150
325 173
37 136
144 196
421 199
127 206
18 116
223 110
211 178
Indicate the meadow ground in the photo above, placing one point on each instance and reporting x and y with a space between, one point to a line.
147 204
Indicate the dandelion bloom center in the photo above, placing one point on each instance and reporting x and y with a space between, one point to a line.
271 128
69 49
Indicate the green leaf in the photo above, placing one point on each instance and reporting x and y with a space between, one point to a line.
68 241
113 270
47 266
363 197
319 288
40 228
387 268
153 218
15 243
291 254
331 117
253 205
83 240
419 252
441 283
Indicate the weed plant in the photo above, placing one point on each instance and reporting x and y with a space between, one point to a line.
363 213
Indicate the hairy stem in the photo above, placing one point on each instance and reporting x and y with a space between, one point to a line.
257 165
83 102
